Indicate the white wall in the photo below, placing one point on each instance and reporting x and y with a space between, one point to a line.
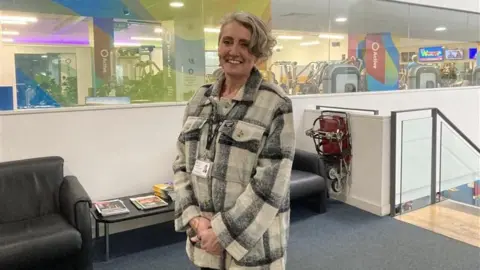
465 116
369 183
113 158
466 5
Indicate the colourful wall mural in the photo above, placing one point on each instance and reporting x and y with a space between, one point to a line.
103 23
380 58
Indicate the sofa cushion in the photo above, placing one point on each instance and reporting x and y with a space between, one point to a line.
304 184
37 240
30 188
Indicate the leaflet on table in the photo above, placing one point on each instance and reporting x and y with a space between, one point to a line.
111 207
148 202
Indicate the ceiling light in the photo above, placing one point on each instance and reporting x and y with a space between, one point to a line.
158 30
327 36
7 39
341 19
211 30
44 56
440 29
12 22
310 43
146 38
18 19
176 4
290 37
126 44
9 33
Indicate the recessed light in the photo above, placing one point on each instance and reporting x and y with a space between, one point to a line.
146 38
327 36
12 22
290 37
312 43
9 33
126 44
158 30
18 19
176 4
341 19
7 40
440 29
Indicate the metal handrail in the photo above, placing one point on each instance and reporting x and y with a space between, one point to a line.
375 112
393 150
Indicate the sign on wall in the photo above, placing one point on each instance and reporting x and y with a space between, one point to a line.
103 43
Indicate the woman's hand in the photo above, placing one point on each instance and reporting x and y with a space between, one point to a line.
199 224
209 241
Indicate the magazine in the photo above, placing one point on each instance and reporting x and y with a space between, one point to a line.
111 207
164 191
148 202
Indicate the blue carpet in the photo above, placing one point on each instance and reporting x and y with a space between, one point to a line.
343 238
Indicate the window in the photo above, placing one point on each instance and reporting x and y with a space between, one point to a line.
368 45
82 53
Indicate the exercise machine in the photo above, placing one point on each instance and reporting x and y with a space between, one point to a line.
476 76
340 78
423 76
287 82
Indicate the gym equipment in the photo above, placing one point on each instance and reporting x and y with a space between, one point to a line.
332 141
290 69
312 84
421 77
341 78
476 76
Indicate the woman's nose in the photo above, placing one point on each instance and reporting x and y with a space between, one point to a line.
234 50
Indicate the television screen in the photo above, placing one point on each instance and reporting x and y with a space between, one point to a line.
472 53
430 54
454 54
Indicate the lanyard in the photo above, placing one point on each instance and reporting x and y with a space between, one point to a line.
214 119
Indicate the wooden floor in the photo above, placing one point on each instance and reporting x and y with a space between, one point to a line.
449 218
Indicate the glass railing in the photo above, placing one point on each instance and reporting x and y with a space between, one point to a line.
431 160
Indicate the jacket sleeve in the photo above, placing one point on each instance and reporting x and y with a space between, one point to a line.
241 227
186 204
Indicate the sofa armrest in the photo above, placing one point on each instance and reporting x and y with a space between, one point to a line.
309 162
72 194
75 206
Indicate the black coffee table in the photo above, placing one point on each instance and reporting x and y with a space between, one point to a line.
134 214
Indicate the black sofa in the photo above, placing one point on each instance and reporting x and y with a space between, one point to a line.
308 180
44 217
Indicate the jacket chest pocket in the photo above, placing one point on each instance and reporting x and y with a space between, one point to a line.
238 145
192 133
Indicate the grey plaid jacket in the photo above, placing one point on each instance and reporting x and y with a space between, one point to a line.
247 197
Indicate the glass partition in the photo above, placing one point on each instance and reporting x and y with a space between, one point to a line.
413 166
459 167
431 160
158 51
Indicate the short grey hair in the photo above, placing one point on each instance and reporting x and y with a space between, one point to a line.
262 42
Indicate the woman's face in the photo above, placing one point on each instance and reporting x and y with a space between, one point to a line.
235 58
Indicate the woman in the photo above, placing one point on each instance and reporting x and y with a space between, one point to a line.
235 152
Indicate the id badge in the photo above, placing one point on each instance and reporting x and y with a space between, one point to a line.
202 168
